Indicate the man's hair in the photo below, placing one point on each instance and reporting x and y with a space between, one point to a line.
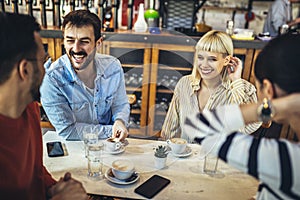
279 62
16 41
80 18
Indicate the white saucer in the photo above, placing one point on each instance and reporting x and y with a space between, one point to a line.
109 175
121 150
187 152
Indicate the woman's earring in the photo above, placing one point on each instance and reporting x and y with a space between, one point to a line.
265 113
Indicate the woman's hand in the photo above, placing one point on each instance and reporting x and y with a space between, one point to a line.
235 68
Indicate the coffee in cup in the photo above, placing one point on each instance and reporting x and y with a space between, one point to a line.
178 145
122 169
113 144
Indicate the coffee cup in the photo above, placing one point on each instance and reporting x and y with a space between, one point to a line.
122 169
178 145
113 144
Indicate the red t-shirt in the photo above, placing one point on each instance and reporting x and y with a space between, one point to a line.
22 174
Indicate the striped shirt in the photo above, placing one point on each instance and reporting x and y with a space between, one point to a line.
274 162
185 102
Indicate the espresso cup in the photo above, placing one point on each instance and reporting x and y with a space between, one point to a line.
122 169
178 145
112 144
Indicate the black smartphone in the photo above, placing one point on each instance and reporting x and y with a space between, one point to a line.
152 186
55 149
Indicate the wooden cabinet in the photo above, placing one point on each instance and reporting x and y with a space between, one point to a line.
151 73
169 64
135 59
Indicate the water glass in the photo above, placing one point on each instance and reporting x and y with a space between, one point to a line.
89 137
95 163
210 164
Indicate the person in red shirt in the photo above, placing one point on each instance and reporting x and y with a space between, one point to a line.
22 174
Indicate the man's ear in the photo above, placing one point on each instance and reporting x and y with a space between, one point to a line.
268 89
23 69
99 42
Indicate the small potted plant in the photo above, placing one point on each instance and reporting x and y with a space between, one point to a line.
160 155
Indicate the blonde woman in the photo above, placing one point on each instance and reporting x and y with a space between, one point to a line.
215 80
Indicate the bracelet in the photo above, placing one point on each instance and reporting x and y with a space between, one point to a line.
265 113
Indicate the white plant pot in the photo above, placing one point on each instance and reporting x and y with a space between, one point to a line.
160 163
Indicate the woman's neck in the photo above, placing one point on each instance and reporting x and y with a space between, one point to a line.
211 84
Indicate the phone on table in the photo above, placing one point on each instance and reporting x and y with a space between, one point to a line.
152 186
55 149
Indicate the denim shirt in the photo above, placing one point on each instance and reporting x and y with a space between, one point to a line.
70 107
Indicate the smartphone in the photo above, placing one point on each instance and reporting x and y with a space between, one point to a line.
55 149
231 68
152 186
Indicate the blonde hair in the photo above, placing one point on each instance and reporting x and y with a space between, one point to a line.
213 41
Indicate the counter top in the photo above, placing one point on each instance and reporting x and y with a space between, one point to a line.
166 37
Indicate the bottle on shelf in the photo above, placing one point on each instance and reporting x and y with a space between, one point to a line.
151 15
230 27
140 24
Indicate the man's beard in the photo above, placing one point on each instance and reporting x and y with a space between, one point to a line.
35 86
88 60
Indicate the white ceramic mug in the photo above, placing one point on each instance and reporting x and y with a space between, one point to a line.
111 144
122 169
178 145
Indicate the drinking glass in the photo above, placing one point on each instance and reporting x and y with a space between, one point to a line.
210 164
95 163
90 136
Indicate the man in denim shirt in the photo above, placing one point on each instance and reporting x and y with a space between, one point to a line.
83 88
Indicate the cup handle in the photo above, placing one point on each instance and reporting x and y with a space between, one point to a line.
118 146
168 142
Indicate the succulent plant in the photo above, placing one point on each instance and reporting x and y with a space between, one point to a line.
161 151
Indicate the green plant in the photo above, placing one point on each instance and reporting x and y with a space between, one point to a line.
161 151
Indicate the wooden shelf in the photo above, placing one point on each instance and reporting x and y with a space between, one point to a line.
133 89
176 68
224 8
164 91
133 65
135 111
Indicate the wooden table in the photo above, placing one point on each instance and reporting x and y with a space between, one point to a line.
187 178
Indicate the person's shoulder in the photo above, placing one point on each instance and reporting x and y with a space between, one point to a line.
184 82
57 66
108 64
59 70
33 108
248 85
107 60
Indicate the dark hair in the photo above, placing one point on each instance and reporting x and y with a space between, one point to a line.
17 41
79 18
279 62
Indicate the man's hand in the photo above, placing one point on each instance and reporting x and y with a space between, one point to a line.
67 188
119 130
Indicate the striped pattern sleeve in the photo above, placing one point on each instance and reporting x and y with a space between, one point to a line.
237 92
273 162
171 127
